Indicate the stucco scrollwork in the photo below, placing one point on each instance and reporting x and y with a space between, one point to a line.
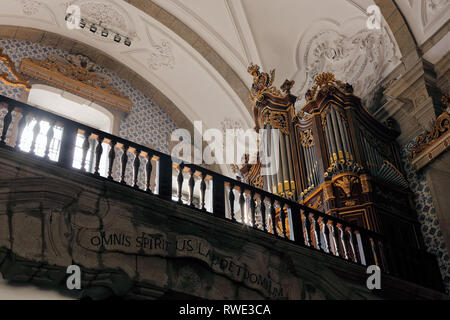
361 59
30 7
431 9
162 55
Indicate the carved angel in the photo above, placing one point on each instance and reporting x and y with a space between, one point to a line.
261 80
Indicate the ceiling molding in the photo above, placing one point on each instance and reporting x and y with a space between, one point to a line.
197 43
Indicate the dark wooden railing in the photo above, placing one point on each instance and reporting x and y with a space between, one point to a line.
104 156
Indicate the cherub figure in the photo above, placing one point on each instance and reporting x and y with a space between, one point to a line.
261 80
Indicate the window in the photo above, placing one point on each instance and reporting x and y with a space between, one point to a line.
74 108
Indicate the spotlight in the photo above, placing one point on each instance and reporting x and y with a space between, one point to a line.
82 23
117 38
105 33
93 28
127 42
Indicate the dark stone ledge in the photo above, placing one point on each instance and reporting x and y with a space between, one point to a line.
51 218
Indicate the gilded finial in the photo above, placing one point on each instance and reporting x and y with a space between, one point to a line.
325 78
253 69
324 82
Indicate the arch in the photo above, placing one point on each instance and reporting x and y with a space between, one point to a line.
70 106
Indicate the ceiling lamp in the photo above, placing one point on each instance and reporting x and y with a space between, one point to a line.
93 28
104 29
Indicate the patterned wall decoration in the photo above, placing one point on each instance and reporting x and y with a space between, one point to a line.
426 214
147 124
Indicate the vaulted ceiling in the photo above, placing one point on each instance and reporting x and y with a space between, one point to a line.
299 38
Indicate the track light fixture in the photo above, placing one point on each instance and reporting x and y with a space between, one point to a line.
93 28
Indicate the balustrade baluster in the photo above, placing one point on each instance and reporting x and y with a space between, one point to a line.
218 195
344 251
315 231
297 228
6 122
180 179
263 214
191 184
306 228
252 208
50 134
231 198
354 255
272 216
373 250
98 154
68 141
148 170
367 249
283 220
242 205
324 232
136 167
36 130
360 247
164 176
202 192
85 148
333 239
124 162
21 127
111 157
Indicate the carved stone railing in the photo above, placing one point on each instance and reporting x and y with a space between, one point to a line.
157 174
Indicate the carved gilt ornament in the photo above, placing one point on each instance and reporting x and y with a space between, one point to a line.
345 183
278 120
263 84
76 74
306 138
5 76
435 142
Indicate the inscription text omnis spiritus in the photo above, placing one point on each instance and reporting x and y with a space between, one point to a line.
151 244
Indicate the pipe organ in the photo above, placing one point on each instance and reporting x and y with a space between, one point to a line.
332 155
